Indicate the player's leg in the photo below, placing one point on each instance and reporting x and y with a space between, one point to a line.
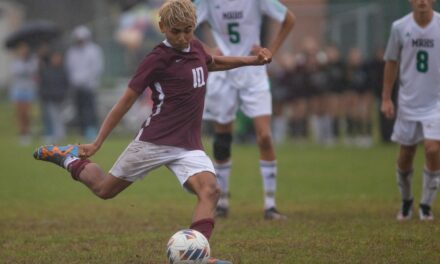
195 171
268 165
431 178
221 104
204 185
222 155
103 185
404 175
407 134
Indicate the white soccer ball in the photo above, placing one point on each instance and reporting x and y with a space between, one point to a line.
188 246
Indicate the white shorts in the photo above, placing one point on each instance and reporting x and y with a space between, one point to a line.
139 158
409 132
226 91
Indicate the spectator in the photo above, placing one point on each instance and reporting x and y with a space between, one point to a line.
22 89
84 66
53 86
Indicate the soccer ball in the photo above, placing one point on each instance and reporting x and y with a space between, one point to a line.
188 246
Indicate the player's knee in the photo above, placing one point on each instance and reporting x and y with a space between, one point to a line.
264 140
104 194
432 150
406 154
222 146
210 192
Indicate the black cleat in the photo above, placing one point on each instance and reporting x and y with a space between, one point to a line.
405 212
425 212
273 214
221 212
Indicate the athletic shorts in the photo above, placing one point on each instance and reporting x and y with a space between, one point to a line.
139 158
408 132
22 95
227 91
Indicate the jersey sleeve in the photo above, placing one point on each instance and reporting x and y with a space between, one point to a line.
145 74
394 46
274 9
202 11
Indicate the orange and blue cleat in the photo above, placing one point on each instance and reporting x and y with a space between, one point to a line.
56 154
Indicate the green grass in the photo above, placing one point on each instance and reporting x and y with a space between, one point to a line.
341 204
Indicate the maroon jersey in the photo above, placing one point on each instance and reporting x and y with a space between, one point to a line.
178 83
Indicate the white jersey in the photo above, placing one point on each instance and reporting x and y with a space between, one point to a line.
236 27
418 51
236 24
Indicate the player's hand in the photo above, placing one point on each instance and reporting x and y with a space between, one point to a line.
387 108
264 56
255 50
87 150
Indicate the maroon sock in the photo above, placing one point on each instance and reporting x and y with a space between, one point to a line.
75 167
204 226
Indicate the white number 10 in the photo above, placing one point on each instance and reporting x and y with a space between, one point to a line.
198 77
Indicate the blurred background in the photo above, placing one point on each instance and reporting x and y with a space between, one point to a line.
326 79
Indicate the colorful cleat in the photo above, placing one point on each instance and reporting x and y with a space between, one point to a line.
273 214
217 261
405 212
425 213
56 154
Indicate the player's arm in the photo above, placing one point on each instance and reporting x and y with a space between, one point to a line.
222 63
286 27
111 120
390 76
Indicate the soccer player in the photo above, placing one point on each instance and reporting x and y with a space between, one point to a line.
236 27
176 71
414 45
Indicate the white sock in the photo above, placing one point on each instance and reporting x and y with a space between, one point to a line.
268 171
431 180
223 172
69 159
404 180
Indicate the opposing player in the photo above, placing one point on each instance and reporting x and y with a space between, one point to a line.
236 27
414 45
175 71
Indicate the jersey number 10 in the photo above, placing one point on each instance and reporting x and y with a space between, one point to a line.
198 77
422 61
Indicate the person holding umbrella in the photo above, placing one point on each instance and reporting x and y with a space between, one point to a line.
24 69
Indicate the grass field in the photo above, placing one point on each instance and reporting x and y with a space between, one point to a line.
341 204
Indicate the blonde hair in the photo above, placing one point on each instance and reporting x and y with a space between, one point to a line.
178 12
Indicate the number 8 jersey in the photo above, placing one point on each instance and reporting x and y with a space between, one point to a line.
236 24
418 51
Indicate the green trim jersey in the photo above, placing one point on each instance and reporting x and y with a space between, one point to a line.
418 51
236 24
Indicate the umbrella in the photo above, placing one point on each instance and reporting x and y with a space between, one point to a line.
33 33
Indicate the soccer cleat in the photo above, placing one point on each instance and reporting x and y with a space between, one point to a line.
273 214
217 261
425 212
221 212
56 154
405 212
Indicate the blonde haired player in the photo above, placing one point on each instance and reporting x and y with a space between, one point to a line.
176 71
414 46
236 27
